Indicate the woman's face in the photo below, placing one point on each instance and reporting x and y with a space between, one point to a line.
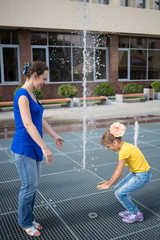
41 80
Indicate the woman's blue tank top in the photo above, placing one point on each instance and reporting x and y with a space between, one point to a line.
22 141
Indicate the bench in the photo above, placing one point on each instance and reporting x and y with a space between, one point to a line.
132 97
4 104
78 101
58 100
43 101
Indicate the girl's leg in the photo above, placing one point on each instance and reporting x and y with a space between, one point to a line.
135 182
123 181
27 169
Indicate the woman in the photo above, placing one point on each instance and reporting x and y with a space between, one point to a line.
28 146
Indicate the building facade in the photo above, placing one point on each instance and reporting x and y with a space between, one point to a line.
121 37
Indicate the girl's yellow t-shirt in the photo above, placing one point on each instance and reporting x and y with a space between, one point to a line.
135 159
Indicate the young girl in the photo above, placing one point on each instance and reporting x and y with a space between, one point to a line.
28 146
140 173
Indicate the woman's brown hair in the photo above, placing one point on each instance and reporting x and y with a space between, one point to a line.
37 67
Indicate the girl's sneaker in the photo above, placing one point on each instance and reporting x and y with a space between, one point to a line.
132 218
124 213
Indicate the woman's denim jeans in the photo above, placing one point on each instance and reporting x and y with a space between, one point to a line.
131 183
29 173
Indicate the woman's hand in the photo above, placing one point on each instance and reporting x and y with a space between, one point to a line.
59 141
103 185
48 154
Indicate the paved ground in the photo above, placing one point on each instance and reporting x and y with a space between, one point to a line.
113 109
67 195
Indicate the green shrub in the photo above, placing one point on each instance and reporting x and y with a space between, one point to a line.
19 86
0 98
37 92
103 89
67 91
132 88
156 86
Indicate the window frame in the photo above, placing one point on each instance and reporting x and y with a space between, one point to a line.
46 47
107 64
147 49
128 70
3 82
46 55
144 4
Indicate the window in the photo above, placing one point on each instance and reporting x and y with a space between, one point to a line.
60 64
39 38
9 57
8 37
153 64
103 1
100 41
123 42
77 39
39 54
138 42
123 64
141 60
138 64
78 64
82 0
0 69
140 4
124 3
64 55
100 61
154 43
59 39
157 5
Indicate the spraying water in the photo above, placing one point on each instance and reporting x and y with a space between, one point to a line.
84 86
136 133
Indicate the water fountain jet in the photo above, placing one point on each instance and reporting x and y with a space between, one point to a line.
136 133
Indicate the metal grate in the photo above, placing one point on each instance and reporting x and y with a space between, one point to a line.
67 194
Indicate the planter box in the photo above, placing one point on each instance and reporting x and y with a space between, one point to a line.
149 93
157 95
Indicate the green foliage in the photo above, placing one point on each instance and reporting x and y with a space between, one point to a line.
19 86
132 88
67 91
103 89
37 92
156 86
0 98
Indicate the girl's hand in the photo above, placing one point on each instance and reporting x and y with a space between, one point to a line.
103 185
102 182
59 141
48 154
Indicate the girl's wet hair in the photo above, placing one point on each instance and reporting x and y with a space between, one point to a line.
109 138
37 67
